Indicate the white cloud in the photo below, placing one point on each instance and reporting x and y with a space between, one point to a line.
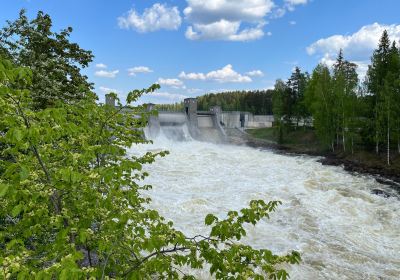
224 75
159 16
279 12
357 47
108 90
222 19
255 73
289 5
106 74
227 74
175 83
296 2
292 22
169 96
139 69
101 66
192 76
360 43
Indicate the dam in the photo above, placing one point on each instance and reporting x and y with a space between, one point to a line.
207 126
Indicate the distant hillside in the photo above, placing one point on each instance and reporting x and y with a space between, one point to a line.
257 102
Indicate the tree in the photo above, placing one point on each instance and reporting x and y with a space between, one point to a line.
376 74
321 102
345 82
55 62
396 98
279 107
382 81
297 84
71 204
389 94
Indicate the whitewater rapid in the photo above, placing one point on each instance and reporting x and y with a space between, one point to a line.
330 216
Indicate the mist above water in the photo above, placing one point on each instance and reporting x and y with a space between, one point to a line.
330 216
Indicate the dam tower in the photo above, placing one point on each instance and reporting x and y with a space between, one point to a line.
191 111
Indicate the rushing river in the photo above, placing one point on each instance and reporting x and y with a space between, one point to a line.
329 215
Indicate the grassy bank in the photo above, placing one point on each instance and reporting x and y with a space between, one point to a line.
302 140
305 141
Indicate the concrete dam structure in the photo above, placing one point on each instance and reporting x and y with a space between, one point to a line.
180 126
207 126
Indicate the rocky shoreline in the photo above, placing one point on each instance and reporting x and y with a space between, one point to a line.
382 175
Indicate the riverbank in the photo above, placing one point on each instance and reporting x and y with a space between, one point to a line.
305 142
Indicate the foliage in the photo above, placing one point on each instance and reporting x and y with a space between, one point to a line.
176 107
71 204
383 83
342 110
345 82
258 102
322 103
296 84
288 103
55 62
279 102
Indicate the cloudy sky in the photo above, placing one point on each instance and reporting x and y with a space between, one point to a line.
197 46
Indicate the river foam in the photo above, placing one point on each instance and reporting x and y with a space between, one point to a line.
329 215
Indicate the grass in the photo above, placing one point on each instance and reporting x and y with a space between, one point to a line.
300 140
262 133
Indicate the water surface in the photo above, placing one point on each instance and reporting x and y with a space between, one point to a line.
329 215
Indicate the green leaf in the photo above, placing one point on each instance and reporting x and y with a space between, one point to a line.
23 173
3 189
17 135
16 210
210 218
82 236
65 274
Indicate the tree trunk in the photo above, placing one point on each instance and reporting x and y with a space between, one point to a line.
352 145
376 128
343 128
337 139
344 142
388 136
398 146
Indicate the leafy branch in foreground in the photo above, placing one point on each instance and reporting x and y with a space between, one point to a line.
54 60
71 204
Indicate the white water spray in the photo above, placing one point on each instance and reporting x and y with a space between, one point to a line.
330 216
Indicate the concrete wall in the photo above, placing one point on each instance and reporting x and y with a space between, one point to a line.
205 121
232 120
259 121
172 118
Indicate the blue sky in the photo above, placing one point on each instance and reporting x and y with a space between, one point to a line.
197 46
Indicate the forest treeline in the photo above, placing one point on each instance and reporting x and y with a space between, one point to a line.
347 113
258 102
